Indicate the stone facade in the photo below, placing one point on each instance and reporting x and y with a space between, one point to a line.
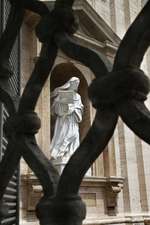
118 190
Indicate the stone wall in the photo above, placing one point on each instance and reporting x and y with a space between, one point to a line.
132 155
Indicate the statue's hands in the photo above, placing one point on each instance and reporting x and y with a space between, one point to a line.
65 109
70 108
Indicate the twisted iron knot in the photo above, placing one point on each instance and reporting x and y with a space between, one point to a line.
28 123
59 20
53 210
119 86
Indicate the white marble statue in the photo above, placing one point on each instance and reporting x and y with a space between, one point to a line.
68 108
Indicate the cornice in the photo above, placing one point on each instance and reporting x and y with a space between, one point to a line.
101 31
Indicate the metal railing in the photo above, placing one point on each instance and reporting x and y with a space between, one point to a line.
120 91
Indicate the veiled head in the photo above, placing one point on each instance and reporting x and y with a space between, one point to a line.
74 83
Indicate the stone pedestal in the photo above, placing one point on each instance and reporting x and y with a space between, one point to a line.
99 194
60 163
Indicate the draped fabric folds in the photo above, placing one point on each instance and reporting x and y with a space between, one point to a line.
68 116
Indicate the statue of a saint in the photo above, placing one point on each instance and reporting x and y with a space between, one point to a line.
68 108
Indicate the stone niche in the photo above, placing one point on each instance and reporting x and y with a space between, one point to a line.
99 194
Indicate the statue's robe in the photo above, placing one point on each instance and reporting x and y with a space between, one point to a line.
66 133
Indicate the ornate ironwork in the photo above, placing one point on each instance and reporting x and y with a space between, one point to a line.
118 90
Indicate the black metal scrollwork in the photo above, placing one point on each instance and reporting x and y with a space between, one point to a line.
120 89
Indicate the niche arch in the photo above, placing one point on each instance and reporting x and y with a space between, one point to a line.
60 75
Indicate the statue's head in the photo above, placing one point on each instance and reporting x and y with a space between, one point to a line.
74 83
71 84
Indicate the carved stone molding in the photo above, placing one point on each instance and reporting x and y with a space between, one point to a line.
33 191
113 188
99 193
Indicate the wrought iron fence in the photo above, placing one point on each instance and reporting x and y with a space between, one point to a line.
11 195
120 91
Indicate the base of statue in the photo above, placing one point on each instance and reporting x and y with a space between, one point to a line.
60 164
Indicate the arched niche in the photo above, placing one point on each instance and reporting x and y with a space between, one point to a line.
60 75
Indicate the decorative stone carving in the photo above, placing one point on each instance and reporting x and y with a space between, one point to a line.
113 188
99 194
68 109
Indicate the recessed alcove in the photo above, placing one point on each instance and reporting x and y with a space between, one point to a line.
60 75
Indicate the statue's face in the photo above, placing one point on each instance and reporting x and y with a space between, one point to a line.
74 85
